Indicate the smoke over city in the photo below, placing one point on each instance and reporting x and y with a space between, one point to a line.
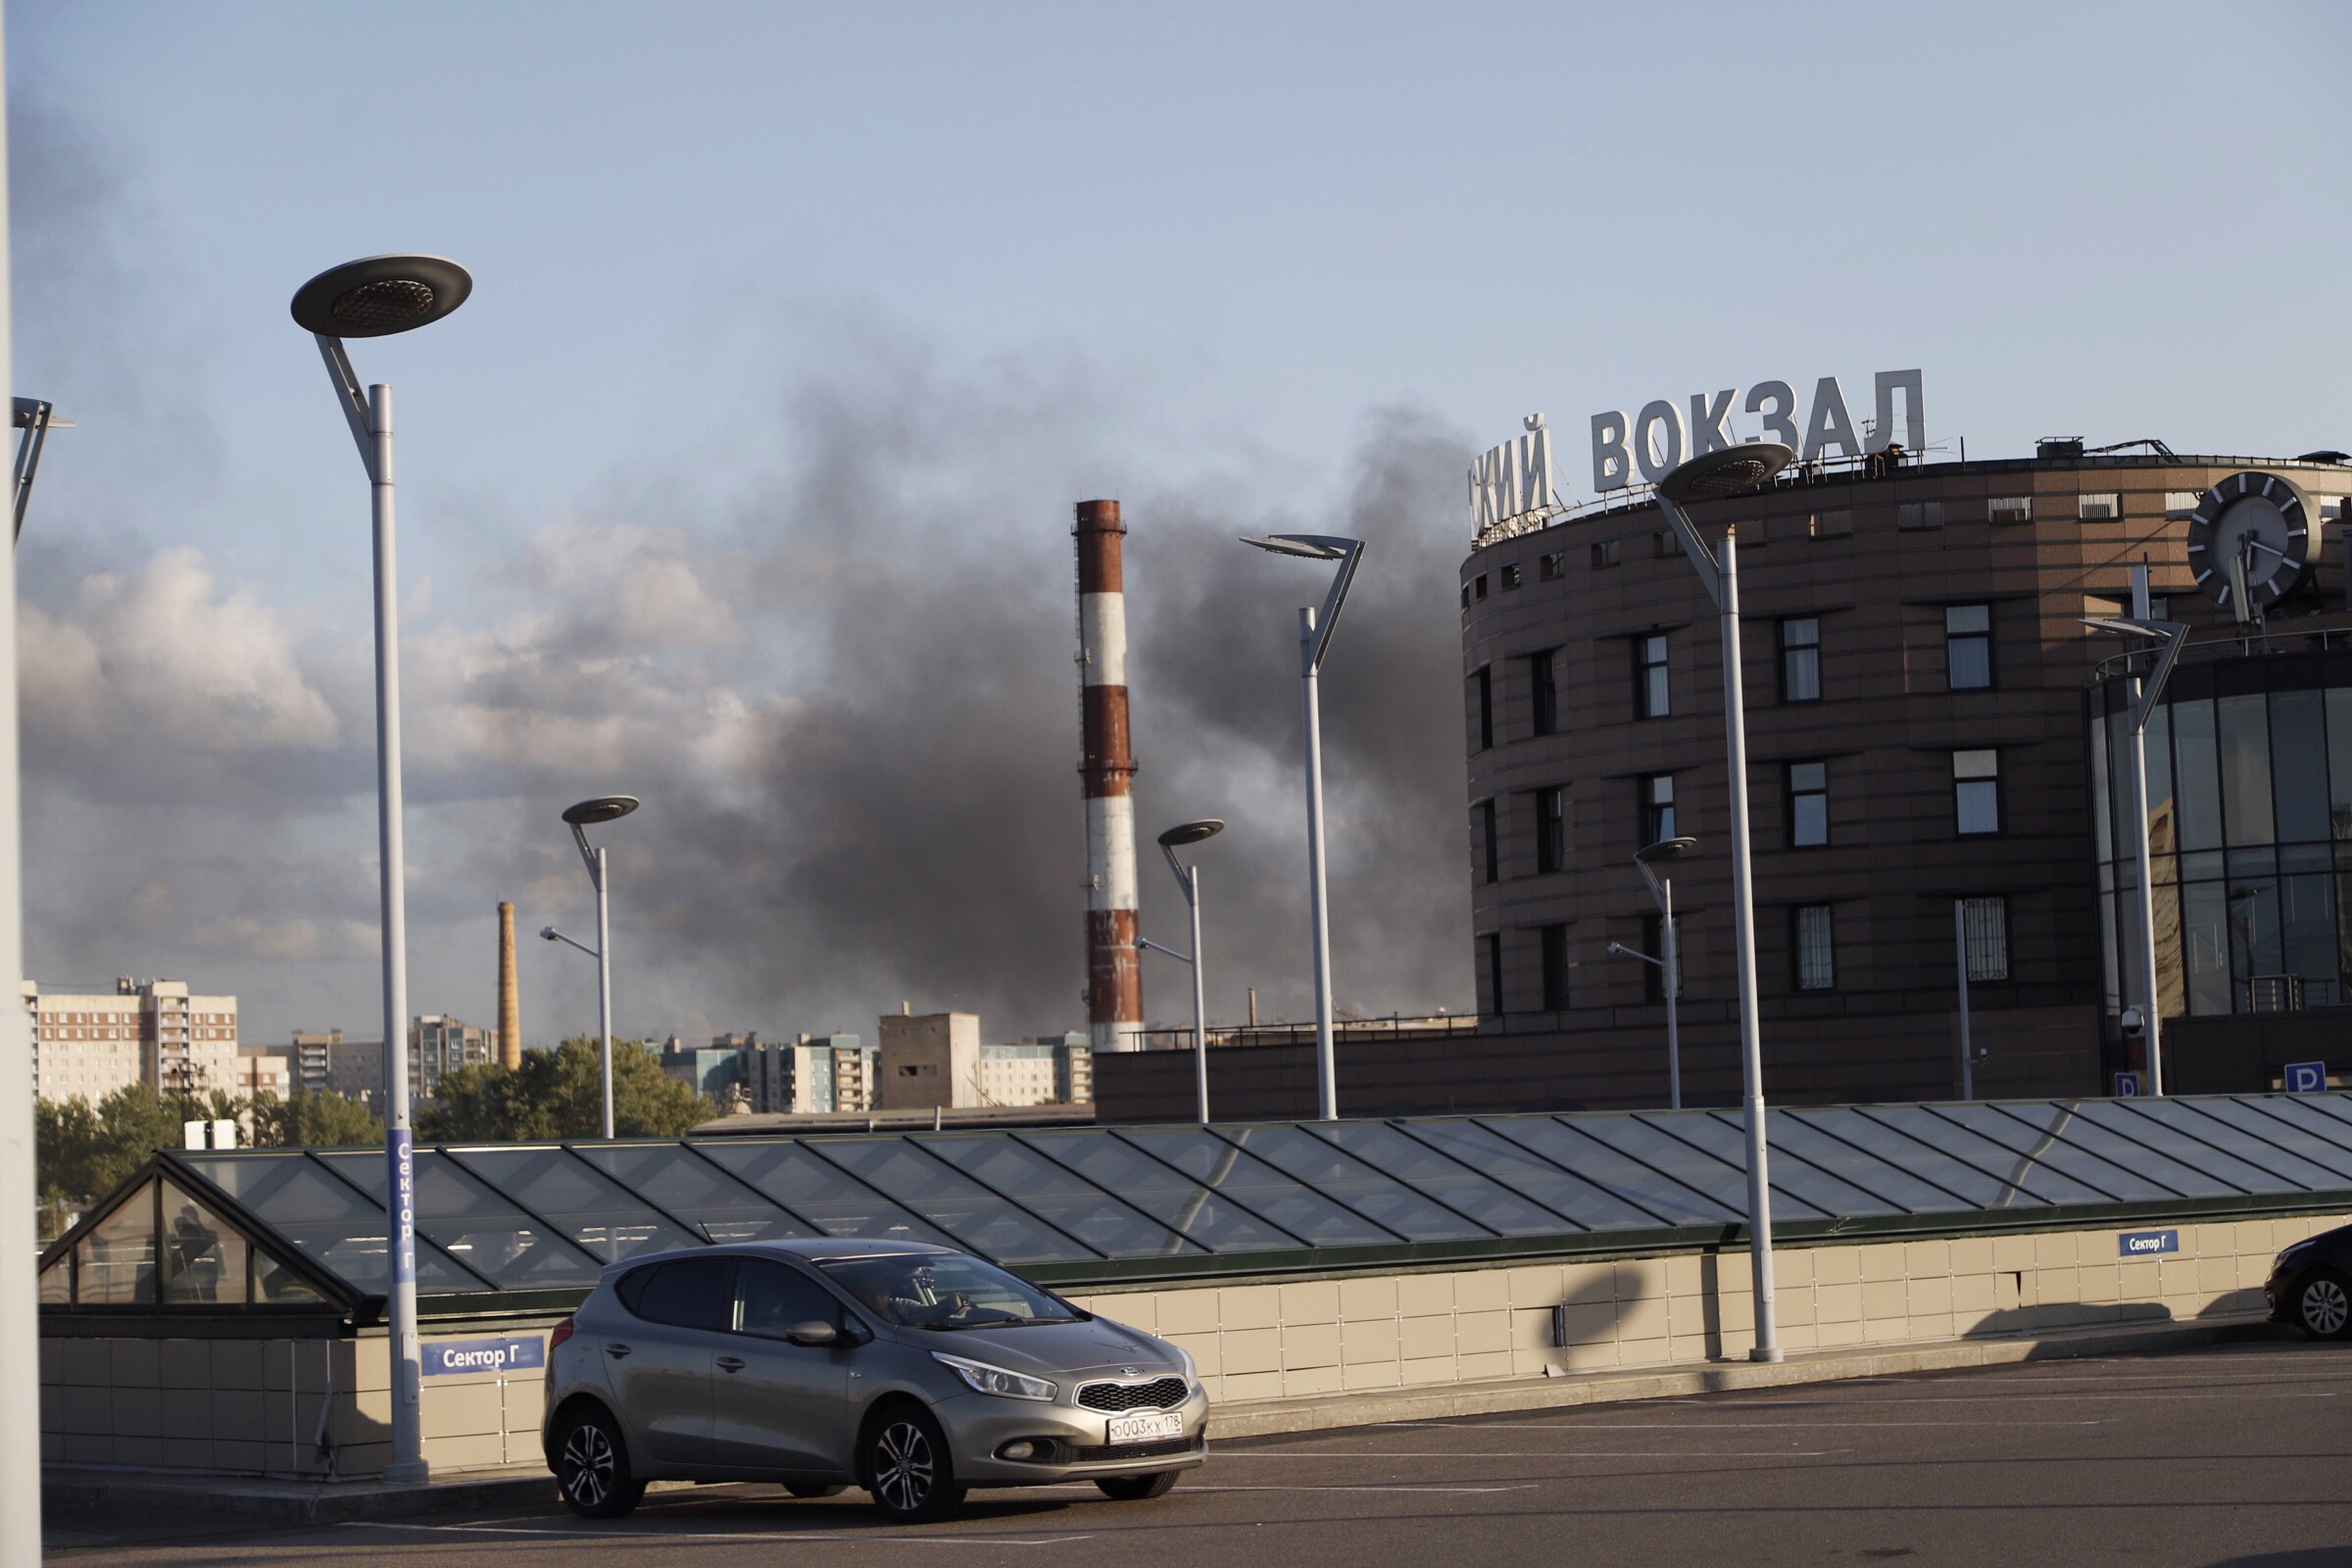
837 666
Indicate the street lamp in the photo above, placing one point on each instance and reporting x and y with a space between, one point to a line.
37 417
583 816
2171 635
1314 638
1188 877
1668 960
1735 470
374 298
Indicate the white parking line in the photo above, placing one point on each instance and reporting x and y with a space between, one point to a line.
839 1538
1709 1426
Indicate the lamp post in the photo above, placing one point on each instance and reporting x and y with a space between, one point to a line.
376 297
36 418
1669 955
583 816
1314 639
2171 635
1732 472
1188 877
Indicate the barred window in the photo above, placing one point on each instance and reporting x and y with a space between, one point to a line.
1984 930
1815 949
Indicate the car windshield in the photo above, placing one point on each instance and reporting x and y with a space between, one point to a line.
945 1290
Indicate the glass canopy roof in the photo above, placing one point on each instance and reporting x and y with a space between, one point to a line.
1080 1206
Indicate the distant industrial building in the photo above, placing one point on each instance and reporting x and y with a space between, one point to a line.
88 1043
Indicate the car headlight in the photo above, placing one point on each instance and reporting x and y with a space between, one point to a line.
986 1379
2290 1254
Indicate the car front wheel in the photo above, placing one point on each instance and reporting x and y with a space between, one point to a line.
908 1468
2323 1307
1135 1489
592 1467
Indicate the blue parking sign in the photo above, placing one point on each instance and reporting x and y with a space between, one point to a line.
2127 1086
2306 1077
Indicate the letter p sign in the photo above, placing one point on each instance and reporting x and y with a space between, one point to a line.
2306 1077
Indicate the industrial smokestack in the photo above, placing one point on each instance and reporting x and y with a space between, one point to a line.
1114 984
510 999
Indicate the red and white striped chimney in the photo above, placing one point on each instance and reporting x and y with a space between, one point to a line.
1114 983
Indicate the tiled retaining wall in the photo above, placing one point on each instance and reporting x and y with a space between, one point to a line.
253 1405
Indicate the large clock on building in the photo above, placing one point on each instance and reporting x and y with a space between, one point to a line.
2250 541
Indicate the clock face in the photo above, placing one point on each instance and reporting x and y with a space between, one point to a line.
2250 535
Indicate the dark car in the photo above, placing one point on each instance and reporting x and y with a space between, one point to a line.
2311 1284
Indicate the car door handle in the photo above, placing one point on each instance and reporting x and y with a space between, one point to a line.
617 1353
730 1363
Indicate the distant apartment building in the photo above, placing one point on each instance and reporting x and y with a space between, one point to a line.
312 1054
1051 1069
356 1069
709 1070
439 1045
813 1073
264 1069
88 1043
936 1061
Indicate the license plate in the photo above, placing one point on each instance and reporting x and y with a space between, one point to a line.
1145 1426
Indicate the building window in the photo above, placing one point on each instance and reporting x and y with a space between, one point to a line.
1653 943
1650 677
2101 508
2009 508
1814 948
1465 596
1657 809
1977 792
1831 525
1554 942
1493 943
1551 829
1510 578
1808 805
2181 503
1542 693
1669 543
1984 930
1482 693
1800 661
1967 647
1481 585
1605 554
1490 845
1551 567
1919 514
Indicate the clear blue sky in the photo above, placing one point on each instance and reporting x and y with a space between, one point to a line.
1010 256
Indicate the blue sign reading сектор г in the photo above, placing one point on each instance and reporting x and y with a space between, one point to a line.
485 1356
2141 1244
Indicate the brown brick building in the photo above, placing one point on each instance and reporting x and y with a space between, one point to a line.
1915 673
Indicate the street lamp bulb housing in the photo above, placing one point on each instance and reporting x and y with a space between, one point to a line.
1733 471
547 933
604 809
1666 849
380 295
28 412
1192 832
1307 546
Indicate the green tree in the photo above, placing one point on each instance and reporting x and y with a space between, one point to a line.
82 1151
559 1093
313 1118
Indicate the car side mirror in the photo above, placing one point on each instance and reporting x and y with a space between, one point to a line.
813 1333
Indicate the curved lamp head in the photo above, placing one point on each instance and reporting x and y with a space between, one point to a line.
604 809
1191 832
1310 545
380 295
547 933
1733 471
1666 849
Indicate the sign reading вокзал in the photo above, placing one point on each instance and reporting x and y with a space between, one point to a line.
518 1353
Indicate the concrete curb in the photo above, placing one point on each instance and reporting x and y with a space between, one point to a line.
301 1503
1330 1412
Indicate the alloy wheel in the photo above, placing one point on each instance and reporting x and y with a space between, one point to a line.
2325 1308
904 1467
588 1465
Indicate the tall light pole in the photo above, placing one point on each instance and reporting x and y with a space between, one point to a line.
583 816
1669 959
377 297
1733 472
1188 877
2171 635
1314 639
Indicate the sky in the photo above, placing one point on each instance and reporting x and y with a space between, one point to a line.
742 482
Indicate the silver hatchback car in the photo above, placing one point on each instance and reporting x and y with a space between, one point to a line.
912 1371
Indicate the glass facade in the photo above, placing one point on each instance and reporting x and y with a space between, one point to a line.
2249 822
266 1228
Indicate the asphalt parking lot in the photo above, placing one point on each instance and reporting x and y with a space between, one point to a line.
2236 1454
